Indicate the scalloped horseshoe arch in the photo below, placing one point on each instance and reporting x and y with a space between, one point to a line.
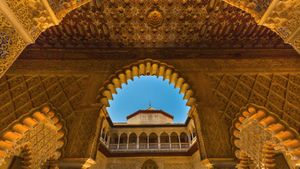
25 134
143 68
256 128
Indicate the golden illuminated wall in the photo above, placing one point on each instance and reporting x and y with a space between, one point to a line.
163 162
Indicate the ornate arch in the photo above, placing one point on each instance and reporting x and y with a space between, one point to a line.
40 134
23 20
142 68
258 133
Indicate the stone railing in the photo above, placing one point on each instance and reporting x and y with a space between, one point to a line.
148 147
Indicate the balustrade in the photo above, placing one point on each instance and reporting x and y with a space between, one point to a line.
138 144
149 146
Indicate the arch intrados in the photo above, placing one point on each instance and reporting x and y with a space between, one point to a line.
12 137
132 135
174 134
123 135
132 138
142 68
285 137
183 134
164 134
153 135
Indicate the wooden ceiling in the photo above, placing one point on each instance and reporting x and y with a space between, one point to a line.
201 24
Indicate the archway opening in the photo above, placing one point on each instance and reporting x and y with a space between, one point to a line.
146 92
164 141
143 141
132 141
149 164
153 141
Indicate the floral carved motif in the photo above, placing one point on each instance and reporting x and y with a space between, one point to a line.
40 135
258 132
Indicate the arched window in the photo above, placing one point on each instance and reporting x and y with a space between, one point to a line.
184 140
113 144
143 141
174 141
123 141
153 141
132 141
164 141
149 164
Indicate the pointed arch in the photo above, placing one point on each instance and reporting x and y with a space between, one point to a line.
24 134
143 140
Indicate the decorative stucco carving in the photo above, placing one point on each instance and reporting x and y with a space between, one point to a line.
63 7
11 44
123 24
258 132
190 24
278 92
22 21
283 17
39 135
143 68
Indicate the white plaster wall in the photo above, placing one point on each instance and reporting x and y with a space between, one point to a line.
147 118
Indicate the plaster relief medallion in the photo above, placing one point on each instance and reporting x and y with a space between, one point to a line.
154 18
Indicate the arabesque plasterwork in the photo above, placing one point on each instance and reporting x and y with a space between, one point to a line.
283 17
259 134
24 135
35 16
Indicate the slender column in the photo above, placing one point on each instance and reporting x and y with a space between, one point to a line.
148 141
127 141
189 140
119 136
158 138
137 142
179 141
170 142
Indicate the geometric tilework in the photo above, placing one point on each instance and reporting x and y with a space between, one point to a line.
278 92
19 94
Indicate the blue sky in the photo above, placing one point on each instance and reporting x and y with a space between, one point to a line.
137 94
